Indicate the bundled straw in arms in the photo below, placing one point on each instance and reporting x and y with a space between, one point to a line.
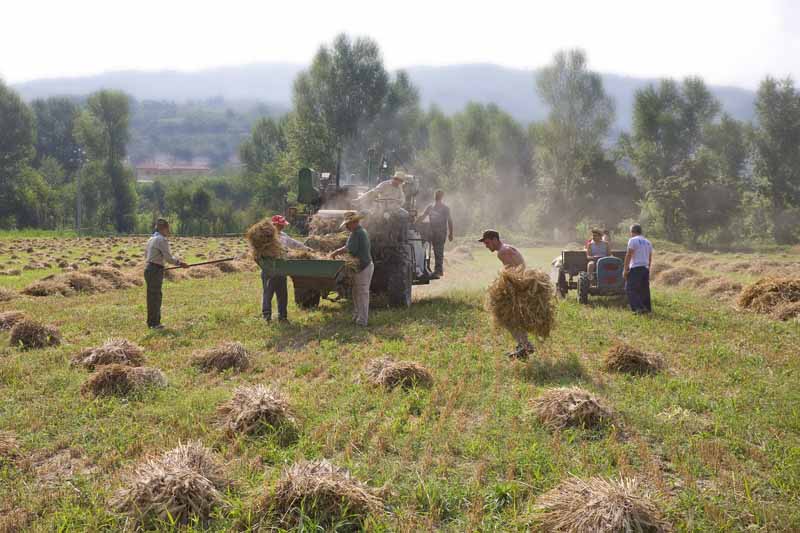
522 300
263 239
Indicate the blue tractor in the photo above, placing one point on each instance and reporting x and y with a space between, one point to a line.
570 271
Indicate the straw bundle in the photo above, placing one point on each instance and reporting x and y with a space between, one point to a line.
48 287
300 253
120 380
116 278
113 351
787 311
390 374
180 485
571 407
263 239
522 300
253 409
600 506
6 295
624 358
327 243
327 494
226 355
9 318
320 225
28 335
766 294
675 276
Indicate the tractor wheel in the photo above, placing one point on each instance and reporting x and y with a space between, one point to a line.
399 278
306 298
583 288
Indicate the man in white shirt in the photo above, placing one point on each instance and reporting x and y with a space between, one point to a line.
157 254
638 260
389 194
276 285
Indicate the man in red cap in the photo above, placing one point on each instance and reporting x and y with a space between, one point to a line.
276 285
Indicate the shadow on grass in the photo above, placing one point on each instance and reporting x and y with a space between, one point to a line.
609 302
556 371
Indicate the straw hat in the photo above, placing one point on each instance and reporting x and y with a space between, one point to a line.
399 175
351 216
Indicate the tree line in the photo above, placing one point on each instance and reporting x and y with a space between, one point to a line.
687 170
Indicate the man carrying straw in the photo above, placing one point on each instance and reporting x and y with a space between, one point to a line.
157 253
358 246
275 285
512 260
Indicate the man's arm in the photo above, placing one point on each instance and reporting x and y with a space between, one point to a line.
292 243
588 249
163 246
449 225
626 266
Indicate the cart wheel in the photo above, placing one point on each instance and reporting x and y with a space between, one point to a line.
561 285
306 298
583 288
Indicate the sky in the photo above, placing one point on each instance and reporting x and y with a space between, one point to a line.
727 42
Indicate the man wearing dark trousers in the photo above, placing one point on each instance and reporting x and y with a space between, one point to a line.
275 286
441 229
638 260
157 253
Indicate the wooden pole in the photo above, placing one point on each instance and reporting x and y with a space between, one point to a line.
203 263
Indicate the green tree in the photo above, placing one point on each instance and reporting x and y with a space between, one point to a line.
264 146
103 131
343 90
777 154
17 135
55 125
579 118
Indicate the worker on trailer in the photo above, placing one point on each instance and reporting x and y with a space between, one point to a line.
387 194
157 253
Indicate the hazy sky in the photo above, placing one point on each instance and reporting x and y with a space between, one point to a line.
732 42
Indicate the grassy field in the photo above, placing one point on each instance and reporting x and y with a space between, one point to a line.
716 434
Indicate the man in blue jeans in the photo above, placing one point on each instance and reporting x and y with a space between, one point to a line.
638 260
276 285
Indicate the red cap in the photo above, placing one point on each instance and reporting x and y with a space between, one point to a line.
279 219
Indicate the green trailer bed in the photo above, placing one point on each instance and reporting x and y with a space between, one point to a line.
303 268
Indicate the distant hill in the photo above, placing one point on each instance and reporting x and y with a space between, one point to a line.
449 87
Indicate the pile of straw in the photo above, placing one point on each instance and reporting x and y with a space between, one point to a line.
765 295
300 253
787 311
48 287
116 278
121 380
254 409
572 407
325 493
28 334
320 225
722 287
204 272
9 318
677 275
600 506
327 243
390 374
226 355
113 351
178 486
624 358
6 295
522 300
263 239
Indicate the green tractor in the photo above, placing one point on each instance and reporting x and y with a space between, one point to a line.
570 271
400 251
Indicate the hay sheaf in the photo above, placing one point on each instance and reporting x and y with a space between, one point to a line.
48 287
787 311
204 272
113 351
82 282
9 318
28 334
389 373
722 287
121 380
226 355
600 506
327 494
178 486
523 300
327 225
263 239
624 358
228 267
766 294
572 407
327 243
6 295
252 409
115 277
300 253
676 276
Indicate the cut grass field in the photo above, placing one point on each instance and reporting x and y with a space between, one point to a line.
716 433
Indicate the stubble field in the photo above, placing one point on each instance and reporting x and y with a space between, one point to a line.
714 435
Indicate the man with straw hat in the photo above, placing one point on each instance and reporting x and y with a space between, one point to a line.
511 258
157 253
276 285
389 193
358 246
